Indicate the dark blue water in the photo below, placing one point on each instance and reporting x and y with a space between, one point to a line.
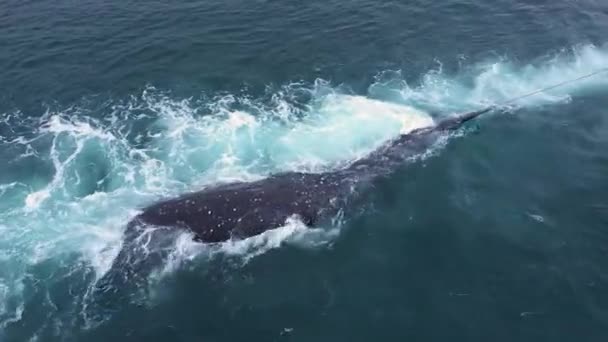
499 232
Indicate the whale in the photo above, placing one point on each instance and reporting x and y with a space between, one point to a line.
240 210
244 209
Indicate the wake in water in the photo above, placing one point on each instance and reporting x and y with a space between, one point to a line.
102 164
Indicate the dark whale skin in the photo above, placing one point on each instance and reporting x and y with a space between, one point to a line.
240 210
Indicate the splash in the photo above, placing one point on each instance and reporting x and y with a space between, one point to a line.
294 232
100 165
495 81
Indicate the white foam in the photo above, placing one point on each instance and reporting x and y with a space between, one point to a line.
264 242
10 293
366 111
495 81
343 128
293 232
33 200
57 125
196 142
102 244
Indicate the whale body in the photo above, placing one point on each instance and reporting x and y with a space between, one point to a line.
244 209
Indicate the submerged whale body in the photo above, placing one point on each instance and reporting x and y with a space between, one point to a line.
245 209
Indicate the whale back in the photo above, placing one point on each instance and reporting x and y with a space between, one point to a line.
240 210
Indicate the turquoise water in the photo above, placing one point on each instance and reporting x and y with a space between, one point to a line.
497 233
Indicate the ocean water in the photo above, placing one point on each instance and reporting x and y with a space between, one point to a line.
497 233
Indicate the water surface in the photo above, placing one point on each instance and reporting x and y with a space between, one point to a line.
497 233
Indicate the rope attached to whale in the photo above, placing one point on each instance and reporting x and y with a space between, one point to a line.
538 91
471 115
